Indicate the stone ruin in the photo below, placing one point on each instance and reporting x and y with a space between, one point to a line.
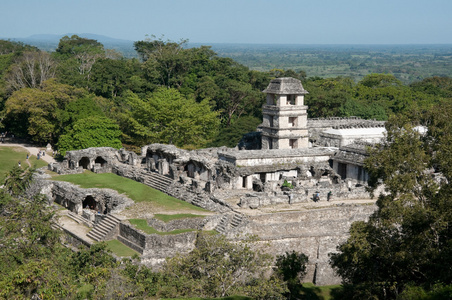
287 169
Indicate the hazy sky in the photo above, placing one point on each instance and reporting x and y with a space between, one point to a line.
236 21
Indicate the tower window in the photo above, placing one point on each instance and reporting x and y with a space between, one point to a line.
290 99
292 121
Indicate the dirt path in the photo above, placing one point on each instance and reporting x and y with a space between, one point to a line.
32 149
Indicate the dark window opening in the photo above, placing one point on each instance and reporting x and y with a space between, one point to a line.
90 203
342 170
101 161
84 162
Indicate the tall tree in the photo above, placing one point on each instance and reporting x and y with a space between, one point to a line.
164 61
33 112
77 56
219 268
407 240
31 70
93 131
167 117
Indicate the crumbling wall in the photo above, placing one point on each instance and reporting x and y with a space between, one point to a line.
316 233
155 248
192 223
72 197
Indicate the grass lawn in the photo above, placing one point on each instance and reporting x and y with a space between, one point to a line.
119 249
311 291
136 191
10 156
224 298
143 225
167 218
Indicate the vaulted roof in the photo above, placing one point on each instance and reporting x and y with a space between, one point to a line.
285 86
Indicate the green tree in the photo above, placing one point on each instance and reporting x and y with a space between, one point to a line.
29 254
167 117
111 77
219 268
326 96
93 131
77 56
30 70
165 62
291 267
33 112
231 136
353 107
407 240
437 86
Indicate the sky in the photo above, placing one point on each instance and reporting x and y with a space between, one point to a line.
236 21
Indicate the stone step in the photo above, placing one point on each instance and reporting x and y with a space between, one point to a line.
236 220
156 177
157 180
221 227
94 236
103 228
110 222
161 188
113 217
198 201
76 218
151 181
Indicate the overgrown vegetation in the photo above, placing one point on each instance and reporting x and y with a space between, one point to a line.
34 263
404 251
82 95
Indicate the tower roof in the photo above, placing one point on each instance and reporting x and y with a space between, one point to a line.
285 86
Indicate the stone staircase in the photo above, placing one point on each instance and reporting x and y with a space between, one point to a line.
79 219
103 228
236 220
229 222
156 181
198 201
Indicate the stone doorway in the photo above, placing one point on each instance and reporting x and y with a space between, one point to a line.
101 161
84 162
90 203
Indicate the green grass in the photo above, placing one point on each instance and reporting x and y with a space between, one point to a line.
311 291
167 218
119 249
136 191
10 156
224 298
143 225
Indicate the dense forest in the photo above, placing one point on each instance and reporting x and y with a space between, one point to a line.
83 95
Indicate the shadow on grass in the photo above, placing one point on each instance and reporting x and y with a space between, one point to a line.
310 291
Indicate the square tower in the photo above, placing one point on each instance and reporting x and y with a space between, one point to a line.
285 116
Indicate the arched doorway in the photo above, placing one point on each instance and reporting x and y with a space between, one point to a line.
90 203
101 161
84 162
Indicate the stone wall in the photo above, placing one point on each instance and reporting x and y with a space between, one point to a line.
192 223
72 197
155 248
316 233
318 125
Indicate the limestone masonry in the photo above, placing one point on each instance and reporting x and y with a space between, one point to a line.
265 186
